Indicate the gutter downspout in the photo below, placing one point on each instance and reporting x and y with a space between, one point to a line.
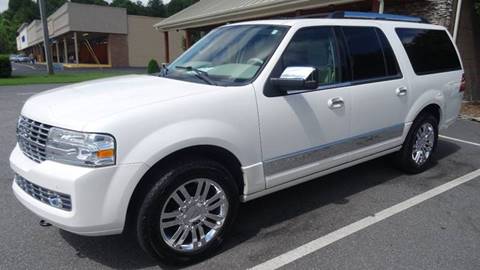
457 20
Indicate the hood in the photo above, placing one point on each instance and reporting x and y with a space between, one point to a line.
76 105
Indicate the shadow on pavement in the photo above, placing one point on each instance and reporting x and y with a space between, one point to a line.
117 251
121 252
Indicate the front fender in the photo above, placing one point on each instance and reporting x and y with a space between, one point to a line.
192 132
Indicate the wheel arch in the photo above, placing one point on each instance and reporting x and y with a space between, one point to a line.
433 109
213 152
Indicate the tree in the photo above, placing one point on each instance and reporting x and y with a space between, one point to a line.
91 2
176 5
156 8
136 8
53 5
477 6
18 12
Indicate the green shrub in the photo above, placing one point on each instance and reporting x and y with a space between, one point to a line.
153 67
477 7
5 67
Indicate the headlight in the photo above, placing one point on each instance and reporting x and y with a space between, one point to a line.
78 148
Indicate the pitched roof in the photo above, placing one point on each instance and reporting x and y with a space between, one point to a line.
211 12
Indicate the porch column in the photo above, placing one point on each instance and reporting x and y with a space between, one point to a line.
188 39
58 51
42 50
375 5
76 46
167 47
65 50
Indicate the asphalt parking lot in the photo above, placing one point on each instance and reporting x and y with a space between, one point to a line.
441 232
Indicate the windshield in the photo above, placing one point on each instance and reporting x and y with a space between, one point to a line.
229 55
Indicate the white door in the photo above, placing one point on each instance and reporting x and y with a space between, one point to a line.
302 132
380 93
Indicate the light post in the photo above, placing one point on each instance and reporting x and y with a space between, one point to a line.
46 40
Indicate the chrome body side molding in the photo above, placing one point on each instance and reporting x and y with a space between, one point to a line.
307 156
309 177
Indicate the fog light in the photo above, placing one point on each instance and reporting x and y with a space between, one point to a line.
53 198
55 201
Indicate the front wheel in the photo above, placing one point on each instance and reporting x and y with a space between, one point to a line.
420 144
187 213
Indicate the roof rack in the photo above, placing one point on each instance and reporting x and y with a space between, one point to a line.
375 16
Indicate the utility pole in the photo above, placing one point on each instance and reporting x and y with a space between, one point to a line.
46 40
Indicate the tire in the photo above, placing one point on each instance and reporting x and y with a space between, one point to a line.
160 210
425 126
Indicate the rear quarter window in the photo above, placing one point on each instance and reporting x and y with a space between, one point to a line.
430 51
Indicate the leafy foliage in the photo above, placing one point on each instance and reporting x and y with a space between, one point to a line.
477 7
153 67
19 11
5 67
154 8
176 5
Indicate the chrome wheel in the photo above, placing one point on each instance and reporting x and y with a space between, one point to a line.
423 145
193 215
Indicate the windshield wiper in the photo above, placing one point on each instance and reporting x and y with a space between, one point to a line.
200 74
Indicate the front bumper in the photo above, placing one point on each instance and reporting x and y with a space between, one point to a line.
99 196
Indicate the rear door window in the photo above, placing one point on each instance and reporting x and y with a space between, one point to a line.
371 56
429 51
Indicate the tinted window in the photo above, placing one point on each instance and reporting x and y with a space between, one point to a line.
314 47
429 51
390 59
366 55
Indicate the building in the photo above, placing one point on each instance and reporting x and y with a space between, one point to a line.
208 14
91 35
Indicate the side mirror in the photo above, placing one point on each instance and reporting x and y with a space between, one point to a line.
164 69
296 78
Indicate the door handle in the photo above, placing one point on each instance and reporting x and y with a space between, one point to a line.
401 91
336 103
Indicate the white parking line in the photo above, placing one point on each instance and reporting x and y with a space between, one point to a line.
26 94
458 140
341 233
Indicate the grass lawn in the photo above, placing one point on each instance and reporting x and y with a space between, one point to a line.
57 78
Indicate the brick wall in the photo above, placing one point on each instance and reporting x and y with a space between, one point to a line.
439 12
118 50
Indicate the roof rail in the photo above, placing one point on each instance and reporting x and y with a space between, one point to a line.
375 16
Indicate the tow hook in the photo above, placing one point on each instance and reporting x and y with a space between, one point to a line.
43 223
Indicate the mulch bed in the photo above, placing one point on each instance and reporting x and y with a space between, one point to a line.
471 109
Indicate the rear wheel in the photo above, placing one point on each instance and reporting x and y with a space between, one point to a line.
187 213
420 144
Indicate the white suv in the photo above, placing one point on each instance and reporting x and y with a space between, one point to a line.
250 109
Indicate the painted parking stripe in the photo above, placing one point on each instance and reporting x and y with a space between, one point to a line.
459 140
26 94
348 230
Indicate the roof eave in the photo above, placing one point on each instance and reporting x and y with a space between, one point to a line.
242 14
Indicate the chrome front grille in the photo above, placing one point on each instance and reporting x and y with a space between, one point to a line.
32 137
50 197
